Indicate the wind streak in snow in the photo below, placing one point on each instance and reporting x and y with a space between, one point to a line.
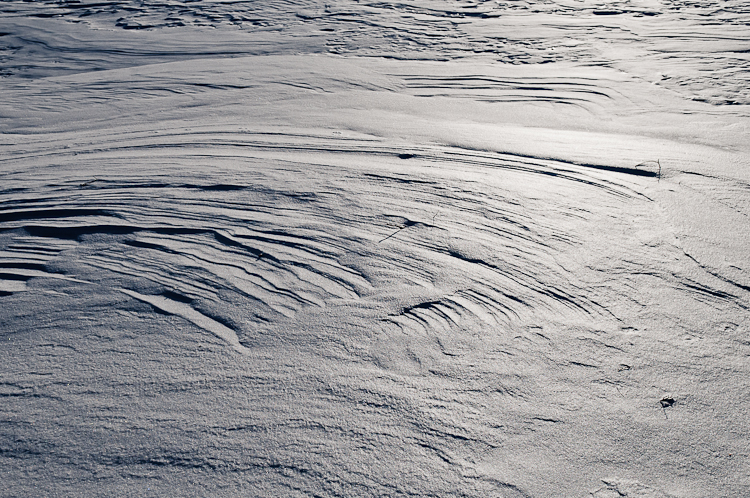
492 303
177 308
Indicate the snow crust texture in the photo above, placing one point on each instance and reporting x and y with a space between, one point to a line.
696 48
374 249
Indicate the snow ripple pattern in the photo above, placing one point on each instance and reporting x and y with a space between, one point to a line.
274 236
232 262
698 49
280 226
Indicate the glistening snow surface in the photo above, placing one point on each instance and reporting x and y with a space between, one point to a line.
354 248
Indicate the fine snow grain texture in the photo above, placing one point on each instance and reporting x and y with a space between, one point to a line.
374 249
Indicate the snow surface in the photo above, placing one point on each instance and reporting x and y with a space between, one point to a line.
363 248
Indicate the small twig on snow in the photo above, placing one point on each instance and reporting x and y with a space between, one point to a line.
86 184
658 162
666 402
407 224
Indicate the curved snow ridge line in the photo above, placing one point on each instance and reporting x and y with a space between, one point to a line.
498 288
490 89
292 266
222 144
309 261
196 268
549 166
264 264
495 294
430 33
557 168
33 250
445 314
15 215
220 148
507 290
493 304
185 311
715 273
67 141
284 285
13 278
561 168
219 143
131 15
26 258
284 269
19 273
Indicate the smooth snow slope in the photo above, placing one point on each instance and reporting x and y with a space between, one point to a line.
374 249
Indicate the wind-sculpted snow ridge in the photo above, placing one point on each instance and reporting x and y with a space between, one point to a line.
243 239
697 49
482 88
398 309
259 249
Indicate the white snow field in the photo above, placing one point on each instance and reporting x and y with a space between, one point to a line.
365 248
